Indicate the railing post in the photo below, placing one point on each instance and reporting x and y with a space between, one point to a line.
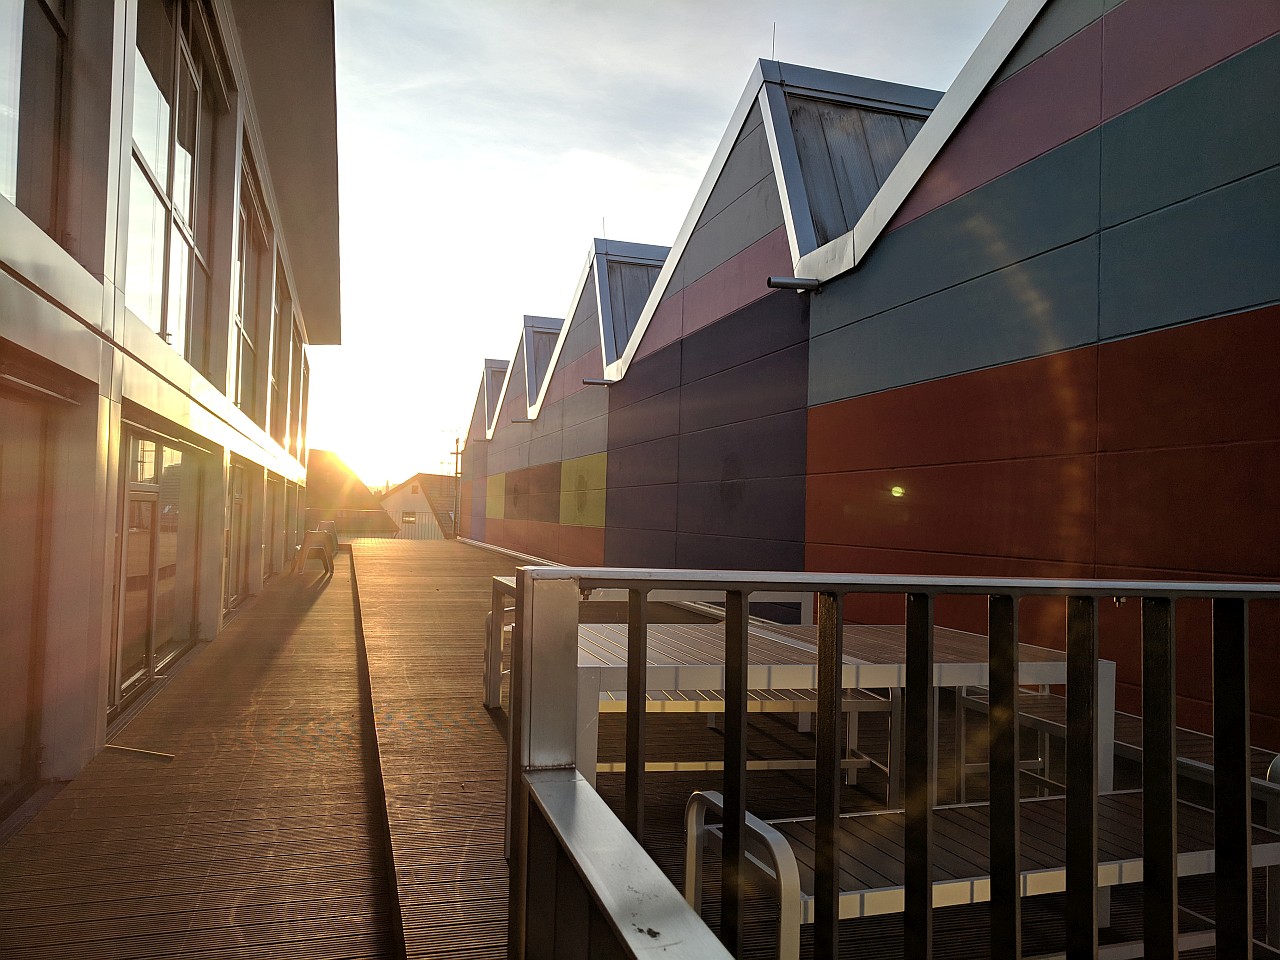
1082 778
1159 779
1006 874
921 790
544 667
1231 780
637 693
827 754
735 768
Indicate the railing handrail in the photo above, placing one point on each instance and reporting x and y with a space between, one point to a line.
653 578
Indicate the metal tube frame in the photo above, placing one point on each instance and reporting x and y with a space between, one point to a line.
544 662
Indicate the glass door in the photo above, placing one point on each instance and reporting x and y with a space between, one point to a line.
22 517
236 560
138 592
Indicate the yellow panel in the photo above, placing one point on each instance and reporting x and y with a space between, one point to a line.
582 482
495 496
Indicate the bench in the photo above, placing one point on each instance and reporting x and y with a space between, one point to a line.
872 845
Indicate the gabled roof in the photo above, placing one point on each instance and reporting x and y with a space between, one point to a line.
843 253
331 483
833 141
491 384
541 334
619 276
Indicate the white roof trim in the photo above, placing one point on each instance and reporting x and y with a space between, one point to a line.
845 252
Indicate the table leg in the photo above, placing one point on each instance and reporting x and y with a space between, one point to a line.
588 724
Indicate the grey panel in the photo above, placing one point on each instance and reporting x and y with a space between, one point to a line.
586 438
829 142
647 419
1037 306
540 354
545 449
584 326
550 420
886 141
629 287
747 164
1058 21
586 404
1216 127
755 214
1216 253
1043 204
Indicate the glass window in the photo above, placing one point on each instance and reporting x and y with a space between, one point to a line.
32 41
142 461
171 185
409 516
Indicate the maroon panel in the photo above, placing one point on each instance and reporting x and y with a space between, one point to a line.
664 326
1046 103
1141 35
1208 510
567 380
542 539
1225 366
1034 408
1041 508
582 546
736 282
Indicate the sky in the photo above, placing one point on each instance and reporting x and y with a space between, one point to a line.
483 144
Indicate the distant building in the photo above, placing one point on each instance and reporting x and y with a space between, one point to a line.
422 507
335 493
168 250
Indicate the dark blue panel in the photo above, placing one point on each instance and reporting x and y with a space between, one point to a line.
652 374
1039 306
769 385
1216 127
643 508
1060 20
639 548
1215 254
765 447
1043 204
649 419
771 508
697 551
773 323
643 463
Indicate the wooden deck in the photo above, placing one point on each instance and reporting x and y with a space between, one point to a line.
443 755
258 838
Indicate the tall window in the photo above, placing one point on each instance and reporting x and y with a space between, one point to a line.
281 328
252 308
170 177
33 35
294 446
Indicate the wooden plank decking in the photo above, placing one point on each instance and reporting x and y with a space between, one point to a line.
443 755
258 838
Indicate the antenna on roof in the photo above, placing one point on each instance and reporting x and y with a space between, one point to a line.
604 235
773 53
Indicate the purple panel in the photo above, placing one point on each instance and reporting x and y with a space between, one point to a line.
735 553
644 378
1141 36
764 447
639 548
642 508
770 324
771 508
766 386
654 461
649 419
663 328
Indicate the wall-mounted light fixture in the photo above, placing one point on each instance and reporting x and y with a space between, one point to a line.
595 382
798 284
521 420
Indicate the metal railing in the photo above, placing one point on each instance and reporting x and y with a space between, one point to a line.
543 740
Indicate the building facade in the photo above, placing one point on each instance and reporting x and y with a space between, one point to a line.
168 249
1043 345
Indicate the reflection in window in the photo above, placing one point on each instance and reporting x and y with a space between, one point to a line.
142 461
32 40
170 201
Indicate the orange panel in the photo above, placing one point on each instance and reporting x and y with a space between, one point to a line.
1207 382
1035 408
1035 509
